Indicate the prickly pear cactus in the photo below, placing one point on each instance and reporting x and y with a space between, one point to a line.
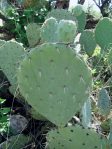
50 80
33 34
103 33
79 13
87 41
104 102
61 14
66 31
77 10
11 54
74 138
48 30
16 142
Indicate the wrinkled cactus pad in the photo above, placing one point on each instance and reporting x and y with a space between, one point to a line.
103 33
54 81
66 31
33 34
74 138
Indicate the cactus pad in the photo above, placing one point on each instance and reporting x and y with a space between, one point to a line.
48 30
61 14
33 34
55 81
74 138
87 41
10 55
66 31
103 33
77 10
80 15
104 102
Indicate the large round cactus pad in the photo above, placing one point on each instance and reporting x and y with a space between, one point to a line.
11 54
55 81
75 138
103 33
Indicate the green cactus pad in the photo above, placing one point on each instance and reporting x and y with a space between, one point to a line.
87 41
103 33
55 82
66 31
16 142
77 10
33 34
11 54
48 30
74 138
104 102
80 15
61 14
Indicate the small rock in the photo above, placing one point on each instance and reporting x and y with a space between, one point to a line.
17 123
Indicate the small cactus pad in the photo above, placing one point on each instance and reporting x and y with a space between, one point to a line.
66 31
74 138
61 14
33 34
48 30
10 55
87 41
16 142
103 33
54 81
104 102
80 15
